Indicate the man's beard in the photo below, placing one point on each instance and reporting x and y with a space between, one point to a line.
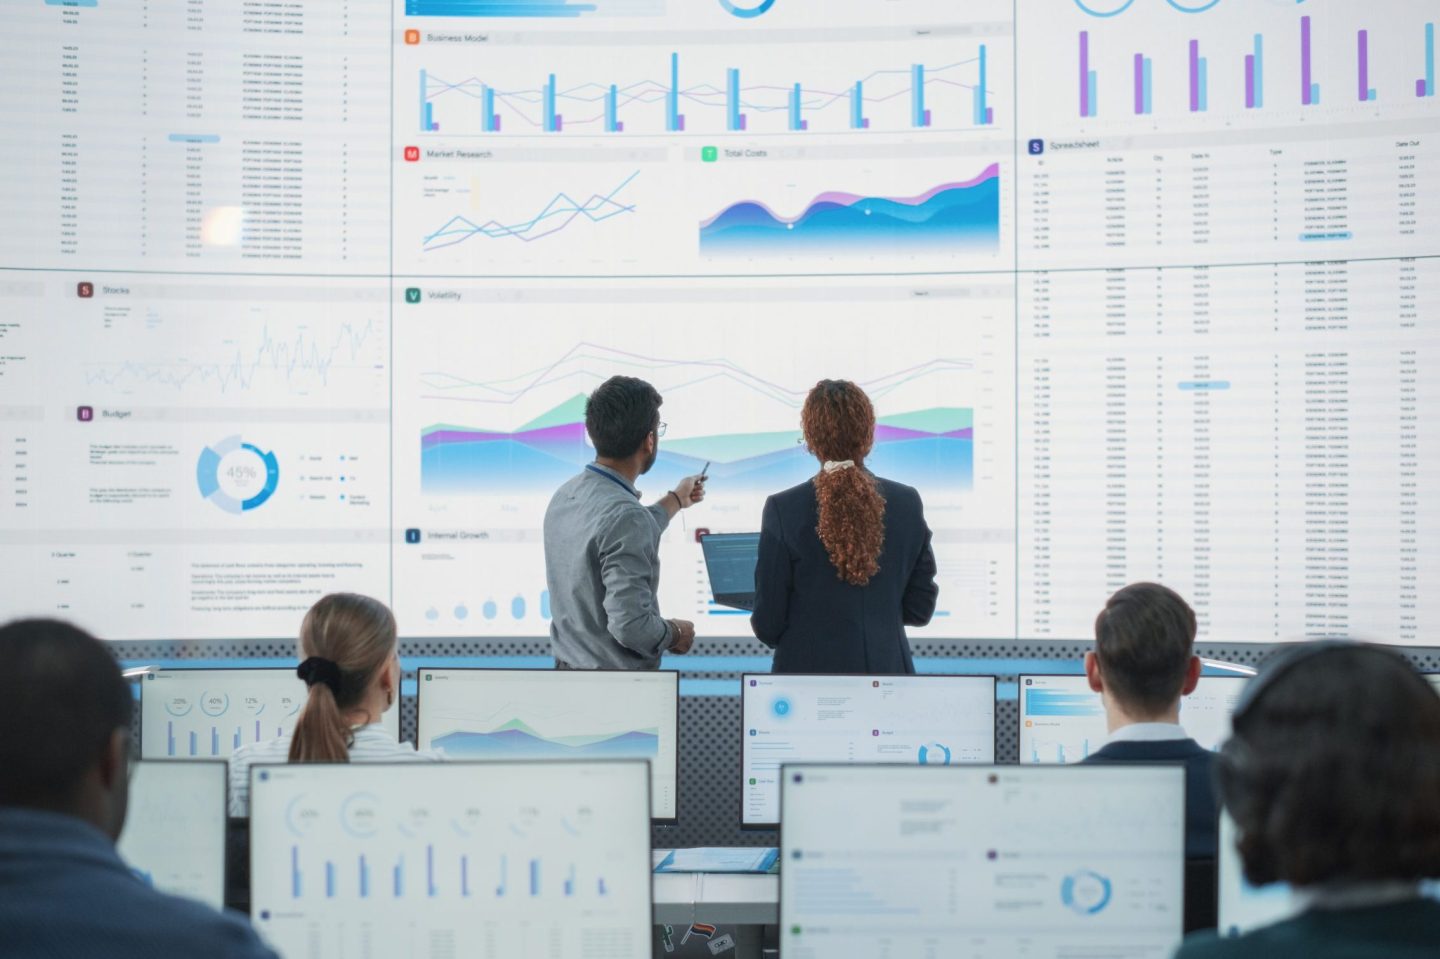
649 462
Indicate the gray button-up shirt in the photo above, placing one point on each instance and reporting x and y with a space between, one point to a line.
602 566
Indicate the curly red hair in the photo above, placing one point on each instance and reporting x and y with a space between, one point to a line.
839 424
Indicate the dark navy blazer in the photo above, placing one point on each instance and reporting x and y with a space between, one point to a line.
817 622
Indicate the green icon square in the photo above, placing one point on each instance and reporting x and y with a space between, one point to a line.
709 154
794 930
752 782
412 294
428 677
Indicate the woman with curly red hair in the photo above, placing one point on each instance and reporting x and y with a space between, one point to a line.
845 560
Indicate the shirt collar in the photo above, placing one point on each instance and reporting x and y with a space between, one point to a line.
1148 733
610 474
1357 895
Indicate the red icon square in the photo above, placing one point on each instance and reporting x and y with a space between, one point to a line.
84 289
412 154
412 37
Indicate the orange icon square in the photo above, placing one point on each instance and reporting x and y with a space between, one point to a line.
412 37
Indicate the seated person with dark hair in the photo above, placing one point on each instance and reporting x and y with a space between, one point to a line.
1144 662
64 763
1332 775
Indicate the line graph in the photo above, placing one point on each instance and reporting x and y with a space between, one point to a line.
557 214
900 97
303 361
931 446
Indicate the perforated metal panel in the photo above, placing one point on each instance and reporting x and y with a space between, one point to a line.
709 793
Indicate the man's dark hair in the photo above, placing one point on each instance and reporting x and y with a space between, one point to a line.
1144 638
61 699
620 414
1332 772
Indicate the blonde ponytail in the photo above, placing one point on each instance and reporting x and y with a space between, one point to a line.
345 639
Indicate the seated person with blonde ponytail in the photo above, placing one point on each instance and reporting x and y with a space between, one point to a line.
351 663
845 561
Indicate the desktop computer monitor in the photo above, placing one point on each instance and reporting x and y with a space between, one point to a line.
986 861
1243 907
174 836
210 713
1062 720
486 714
934 720
458 859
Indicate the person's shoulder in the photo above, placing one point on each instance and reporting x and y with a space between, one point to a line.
894 492
272 750
179 926
799 495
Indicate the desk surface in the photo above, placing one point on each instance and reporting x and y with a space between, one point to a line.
743 900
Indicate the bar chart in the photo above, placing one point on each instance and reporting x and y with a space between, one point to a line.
834 87
508 852
1200 64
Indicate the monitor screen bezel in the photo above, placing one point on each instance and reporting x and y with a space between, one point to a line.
397 767
744 739
499 670
224 765
144 680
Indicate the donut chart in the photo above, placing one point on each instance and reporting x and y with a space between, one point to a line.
237 476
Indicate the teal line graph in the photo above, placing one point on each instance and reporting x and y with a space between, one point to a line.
303 361
554 216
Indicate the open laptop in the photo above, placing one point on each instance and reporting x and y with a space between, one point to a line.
730 561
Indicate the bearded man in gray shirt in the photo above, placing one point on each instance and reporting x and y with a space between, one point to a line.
602 547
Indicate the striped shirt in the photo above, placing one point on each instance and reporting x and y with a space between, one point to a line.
373 744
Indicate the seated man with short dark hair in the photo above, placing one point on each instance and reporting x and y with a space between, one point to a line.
64 758
1144 662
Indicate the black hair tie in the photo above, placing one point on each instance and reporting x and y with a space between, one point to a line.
317 669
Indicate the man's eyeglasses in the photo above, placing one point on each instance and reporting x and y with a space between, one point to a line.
660 431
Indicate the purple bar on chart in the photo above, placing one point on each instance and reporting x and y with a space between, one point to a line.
1194 76
1362 53
1084 73
926 115
1139 83
989 116
1306 87
1249 81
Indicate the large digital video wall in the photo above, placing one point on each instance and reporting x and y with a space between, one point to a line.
298 297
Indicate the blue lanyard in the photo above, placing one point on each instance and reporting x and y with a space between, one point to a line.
614 479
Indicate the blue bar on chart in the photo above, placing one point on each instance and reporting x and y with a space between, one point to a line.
534 877
489 119
193 743
294 872
570 882
504 864
427 109
430 889
464 875
329 880
237 737
1255 75
984 114
796 121
1425 86
858 120
1144 102
553 122
919 115
170 739
400 878
674 122
214 741
600 883
734 119
612 125
364 879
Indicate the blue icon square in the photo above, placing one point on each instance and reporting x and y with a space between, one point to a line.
752 732
412 536
1036 147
